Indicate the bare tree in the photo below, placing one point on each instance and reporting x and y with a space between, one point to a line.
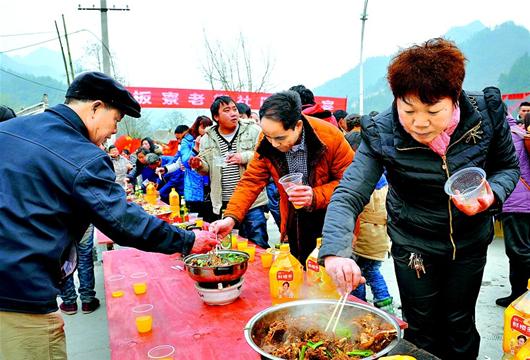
135 128
232 68
172 120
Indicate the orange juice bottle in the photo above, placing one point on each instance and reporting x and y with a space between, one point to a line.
320 283
174 203
286 277
517 327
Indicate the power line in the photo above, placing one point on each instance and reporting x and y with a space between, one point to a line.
25 34
32 81
38 43
72 33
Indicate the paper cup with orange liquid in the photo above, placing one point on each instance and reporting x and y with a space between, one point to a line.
162 352
143 317
139 282
117 285
290 182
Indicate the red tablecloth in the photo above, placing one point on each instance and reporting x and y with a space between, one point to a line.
102 239
180 318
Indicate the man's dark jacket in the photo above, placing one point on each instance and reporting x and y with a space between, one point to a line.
421 216
54 183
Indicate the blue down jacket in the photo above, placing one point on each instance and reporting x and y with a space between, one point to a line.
54 183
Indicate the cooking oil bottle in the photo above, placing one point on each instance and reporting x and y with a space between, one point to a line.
150 194
286 277
320 284
174 203
516 336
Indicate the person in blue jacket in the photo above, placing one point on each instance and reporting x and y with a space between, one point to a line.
56 183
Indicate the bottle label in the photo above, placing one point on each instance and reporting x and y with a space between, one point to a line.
518 324
283 275
313 265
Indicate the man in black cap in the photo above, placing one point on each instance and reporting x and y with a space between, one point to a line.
57 182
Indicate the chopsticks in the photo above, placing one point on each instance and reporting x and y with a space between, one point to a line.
336 316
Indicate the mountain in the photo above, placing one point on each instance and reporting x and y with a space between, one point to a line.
493 55
41 62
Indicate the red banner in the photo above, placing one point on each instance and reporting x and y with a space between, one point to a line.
149 97
518 96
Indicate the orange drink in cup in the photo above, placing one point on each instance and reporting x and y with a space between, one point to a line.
242 244
161 352
143 317
235 236
251 251
266 260
117 285
290 182
139 282
199 222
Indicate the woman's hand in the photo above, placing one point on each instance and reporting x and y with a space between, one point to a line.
344 272
474 206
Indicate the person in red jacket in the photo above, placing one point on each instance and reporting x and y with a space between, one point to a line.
310 107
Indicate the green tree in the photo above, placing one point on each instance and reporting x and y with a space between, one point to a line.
518 78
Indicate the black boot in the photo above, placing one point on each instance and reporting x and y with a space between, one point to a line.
505 301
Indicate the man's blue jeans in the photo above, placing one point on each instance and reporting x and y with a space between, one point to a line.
274 202
254 227
374 279
85 272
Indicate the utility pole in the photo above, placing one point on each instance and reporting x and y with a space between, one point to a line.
62 52
105 53
364 17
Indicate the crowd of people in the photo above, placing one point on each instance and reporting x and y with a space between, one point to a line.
371 184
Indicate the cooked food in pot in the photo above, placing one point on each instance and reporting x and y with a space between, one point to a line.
302 337
214 259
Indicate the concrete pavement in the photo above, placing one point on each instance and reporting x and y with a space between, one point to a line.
87 335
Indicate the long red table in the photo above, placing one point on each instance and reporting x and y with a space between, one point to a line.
180 318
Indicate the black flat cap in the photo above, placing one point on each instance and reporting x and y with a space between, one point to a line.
98 86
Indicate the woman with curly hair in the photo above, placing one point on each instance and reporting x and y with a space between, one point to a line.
439 246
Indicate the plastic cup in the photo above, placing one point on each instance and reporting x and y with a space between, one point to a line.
226 242
139 282
242 244
117 285
251 251
289 182
161 352
219 161
467 185
143 317
266 260
235 237
193 216
199 222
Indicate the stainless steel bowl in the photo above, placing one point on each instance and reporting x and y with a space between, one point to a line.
216 274
258 326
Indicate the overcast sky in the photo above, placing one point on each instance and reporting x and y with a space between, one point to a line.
159 43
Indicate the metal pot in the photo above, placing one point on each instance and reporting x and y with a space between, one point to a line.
258 326
216 274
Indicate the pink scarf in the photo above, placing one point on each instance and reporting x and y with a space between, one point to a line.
440 143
